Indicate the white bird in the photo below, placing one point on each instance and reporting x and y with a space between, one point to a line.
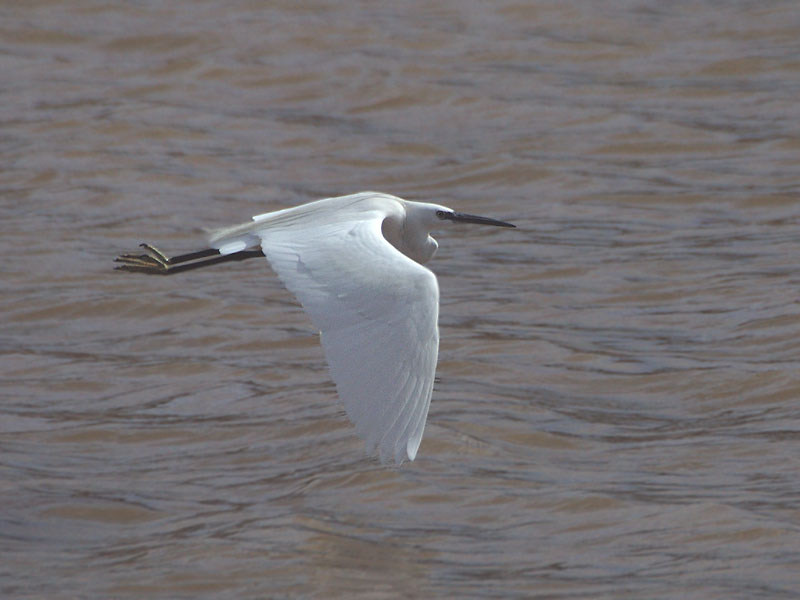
355 264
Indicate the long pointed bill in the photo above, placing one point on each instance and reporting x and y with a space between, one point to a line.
458 217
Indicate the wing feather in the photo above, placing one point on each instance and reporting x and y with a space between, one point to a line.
377 311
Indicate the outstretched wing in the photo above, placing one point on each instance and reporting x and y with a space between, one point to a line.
377 311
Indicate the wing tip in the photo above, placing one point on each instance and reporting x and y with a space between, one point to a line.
396 455
411 448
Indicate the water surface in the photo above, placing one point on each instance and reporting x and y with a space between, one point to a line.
615 413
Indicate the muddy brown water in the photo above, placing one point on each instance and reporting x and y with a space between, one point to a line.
616 409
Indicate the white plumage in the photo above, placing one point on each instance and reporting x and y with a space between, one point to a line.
377 310
355 264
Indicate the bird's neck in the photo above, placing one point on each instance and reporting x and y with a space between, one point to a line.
419 247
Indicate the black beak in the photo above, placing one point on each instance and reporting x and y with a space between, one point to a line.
457 217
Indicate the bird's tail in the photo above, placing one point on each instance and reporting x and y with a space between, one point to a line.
234 239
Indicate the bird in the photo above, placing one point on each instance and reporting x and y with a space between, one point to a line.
355 263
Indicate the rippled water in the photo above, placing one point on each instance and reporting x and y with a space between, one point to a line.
616 407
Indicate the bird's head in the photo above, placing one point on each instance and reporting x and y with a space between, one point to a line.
422 216
448 215
412 236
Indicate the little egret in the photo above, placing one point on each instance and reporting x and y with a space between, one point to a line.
355 264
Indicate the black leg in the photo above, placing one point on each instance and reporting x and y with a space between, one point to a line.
158 263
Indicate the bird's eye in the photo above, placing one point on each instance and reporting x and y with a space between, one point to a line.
441 214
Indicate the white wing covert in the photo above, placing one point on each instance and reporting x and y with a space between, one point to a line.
377 311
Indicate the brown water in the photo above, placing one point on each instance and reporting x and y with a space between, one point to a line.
616 412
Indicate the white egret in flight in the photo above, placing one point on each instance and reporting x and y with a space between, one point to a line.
355 264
